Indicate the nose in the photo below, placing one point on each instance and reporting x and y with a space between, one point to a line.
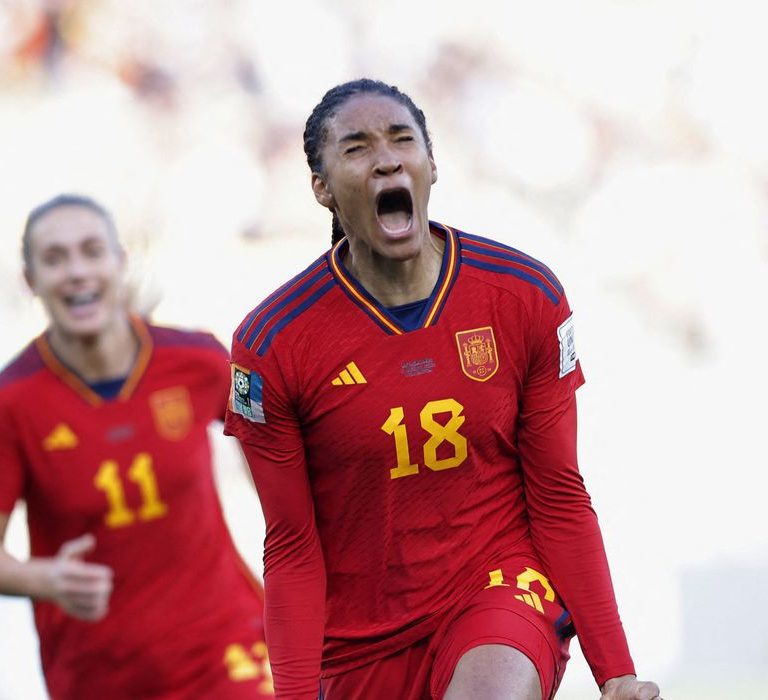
387 161
77 266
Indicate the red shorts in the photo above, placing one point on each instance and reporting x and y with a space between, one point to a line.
237 670
517 607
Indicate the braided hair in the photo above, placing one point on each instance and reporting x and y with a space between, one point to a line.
316 128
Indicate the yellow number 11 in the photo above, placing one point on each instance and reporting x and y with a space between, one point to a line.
108 479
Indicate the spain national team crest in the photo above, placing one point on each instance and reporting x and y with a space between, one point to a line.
172 412
477 351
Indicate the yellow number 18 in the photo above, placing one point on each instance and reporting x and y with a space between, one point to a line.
439 433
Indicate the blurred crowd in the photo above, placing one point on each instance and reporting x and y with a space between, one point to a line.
622 142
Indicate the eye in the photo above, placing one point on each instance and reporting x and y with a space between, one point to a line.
94 247
353 149
94 251
404 137
52 257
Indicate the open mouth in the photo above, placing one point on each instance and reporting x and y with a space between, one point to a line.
394 210
83 304
82 299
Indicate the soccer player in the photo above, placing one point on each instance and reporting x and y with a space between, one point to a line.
138 590
407 408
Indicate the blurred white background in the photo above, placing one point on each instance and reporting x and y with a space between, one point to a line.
623 142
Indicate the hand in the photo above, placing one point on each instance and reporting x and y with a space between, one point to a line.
80 588
629 688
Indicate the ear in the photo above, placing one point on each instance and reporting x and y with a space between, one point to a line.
322 192
29 279
433 167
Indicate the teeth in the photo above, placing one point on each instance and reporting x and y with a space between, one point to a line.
79 299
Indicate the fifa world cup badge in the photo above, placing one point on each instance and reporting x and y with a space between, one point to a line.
246 395
477 353
568 355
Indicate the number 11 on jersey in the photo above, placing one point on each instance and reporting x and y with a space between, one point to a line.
142 474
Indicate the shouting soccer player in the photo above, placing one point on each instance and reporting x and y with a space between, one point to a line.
407 408
138 590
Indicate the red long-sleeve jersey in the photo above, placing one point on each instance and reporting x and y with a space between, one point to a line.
394 466
185 615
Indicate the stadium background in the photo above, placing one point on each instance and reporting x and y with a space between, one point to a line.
623 142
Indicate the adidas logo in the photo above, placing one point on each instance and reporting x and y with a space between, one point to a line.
60 438
350 375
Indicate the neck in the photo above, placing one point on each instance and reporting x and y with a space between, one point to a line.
106 355
397 282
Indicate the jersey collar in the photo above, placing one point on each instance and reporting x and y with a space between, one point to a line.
75 381
380 314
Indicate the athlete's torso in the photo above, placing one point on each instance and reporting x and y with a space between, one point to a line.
409 437
135 472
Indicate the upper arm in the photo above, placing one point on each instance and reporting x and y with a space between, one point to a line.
260 414
11 461
547 424
4 518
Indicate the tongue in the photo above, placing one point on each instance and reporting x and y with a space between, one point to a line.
395 221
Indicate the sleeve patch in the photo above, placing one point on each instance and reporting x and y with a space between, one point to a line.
246 394
568 355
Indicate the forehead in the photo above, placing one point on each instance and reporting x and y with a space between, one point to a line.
68 225
369 113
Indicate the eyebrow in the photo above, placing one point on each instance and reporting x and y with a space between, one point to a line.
360 135
90 239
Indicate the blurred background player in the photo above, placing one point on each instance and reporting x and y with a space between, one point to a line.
407 407
138 590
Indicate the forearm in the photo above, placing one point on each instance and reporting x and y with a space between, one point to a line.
574 556
567 537
294 576
294 617
29 578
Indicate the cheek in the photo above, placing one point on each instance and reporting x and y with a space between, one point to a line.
354 194
43 285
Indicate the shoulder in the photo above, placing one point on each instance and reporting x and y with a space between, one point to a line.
508 267
25 365
180 338
296 298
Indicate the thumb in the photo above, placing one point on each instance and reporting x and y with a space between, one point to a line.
77 548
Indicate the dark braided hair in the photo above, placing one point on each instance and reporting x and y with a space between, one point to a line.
316 128
62 200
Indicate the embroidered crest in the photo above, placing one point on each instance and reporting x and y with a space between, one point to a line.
568 355
246 395
172 412
477 352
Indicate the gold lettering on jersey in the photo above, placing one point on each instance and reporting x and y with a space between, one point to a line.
172 412
60 438
477 353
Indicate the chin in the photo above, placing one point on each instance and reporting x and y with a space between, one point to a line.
82 328
403 248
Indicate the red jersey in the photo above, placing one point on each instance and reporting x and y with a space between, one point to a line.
396 466
185 614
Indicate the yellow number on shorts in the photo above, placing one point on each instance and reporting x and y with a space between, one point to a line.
439 433
524 581
496 578
243 665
